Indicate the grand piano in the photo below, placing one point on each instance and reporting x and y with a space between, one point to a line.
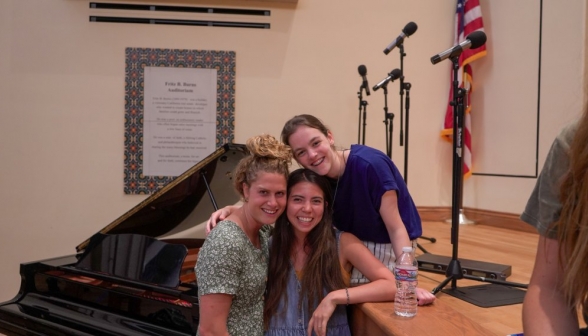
136 275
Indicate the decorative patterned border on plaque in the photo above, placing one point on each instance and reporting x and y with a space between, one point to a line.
139 58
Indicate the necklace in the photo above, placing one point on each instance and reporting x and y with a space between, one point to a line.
339 177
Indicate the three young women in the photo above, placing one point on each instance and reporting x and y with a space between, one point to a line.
370 199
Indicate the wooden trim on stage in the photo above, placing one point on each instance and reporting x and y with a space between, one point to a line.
483 217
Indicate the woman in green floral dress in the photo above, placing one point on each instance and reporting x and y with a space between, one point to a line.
232 264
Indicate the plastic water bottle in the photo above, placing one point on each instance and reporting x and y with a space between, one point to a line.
406 272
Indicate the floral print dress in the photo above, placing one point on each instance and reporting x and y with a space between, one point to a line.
228 263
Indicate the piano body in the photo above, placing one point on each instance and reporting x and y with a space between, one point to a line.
136 275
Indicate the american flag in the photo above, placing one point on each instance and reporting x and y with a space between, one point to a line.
468 18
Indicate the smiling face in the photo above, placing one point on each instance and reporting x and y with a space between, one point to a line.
306 205
313 150
266 197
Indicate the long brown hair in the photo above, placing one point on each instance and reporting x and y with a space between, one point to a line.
573 223
322 270
267 154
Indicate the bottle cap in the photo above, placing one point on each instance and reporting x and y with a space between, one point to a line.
407 249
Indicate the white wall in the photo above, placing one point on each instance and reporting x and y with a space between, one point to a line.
62 99
509 101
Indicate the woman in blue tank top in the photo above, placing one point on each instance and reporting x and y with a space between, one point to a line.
310 265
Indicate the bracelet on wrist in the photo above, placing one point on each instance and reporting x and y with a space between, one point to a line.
347 293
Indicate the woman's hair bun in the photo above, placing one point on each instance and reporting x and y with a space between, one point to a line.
267 146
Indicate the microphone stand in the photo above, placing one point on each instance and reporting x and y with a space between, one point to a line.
405 87
388 122
402 54
362 111
454 270
404 136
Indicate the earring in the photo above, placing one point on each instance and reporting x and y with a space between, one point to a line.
245 199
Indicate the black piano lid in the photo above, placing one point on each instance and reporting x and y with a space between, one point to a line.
185 201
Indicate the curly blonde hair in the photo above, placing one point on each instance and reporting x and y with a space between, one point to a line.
267 155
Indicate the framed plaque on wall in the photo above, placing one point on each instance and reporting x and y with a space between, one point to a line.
179 107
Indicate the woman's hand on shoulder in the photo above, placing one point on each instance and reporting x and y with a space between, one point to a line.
321 315
424 296
217 216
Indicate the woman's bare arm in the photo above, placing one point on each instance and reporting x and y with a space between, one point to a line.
214 312
545 311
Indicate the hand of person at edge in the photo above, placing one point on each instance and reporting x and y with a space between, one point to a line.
320 317
424 297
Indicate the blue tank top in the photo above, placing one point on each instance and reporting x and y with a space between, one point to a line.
293 321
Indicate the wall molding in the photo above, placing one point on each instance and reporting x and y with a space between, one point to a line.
480 217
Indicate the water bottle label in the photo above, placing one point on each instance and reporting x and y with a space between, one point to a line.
404 274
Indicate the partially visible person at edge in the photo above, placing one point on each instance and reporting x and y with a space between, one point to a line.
371 200
232 264
558 208
310 265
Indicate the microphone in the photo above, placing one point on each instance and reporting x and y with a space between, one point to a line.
472 41
392 76
408 30
363 72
